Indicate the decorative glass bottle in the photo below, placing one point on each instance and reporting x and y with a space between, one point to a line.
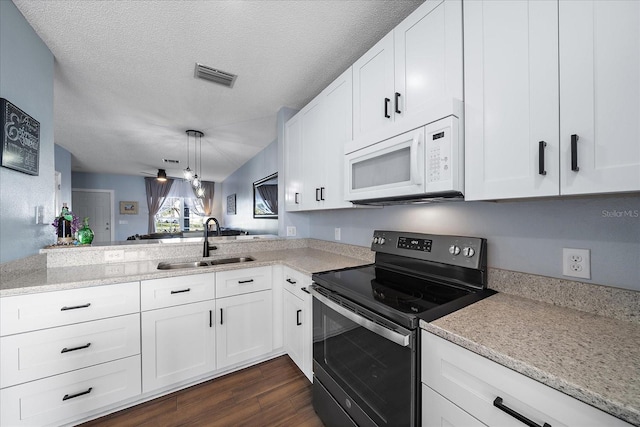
65 235
85 234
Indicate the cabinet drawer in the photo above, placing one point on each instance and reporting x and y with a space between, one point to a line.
159 293
295 282
438 411
25 313
39 354
236 282
67 396
473 383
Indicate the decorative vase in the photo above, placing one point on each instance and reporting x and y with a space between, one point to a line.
85 234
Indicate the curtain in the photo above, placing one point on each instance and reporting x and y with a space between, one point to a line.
269 194
156 194
204 206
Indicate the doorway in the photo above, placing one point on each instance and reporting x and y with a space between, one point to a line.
98 206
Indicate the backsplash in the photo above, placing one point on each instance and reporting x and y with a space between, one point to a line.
621 304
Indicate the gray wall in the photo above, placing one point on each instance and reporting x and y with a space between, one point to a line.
26 80
240 183
63 165
126 188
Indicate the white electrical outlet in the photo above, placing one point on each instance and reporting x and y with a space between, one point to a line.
576 263
336 232
291 231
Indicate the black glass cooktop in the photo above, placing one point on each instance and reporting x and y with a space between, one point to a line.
389 293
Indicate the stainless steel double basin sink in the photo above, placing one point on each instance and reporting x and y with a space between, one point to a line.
206 263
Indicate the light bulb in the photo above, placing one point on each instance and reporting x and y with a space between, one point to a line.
200 192
196 181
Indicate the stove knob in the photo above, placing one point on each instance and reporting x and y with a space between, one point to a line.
375 240
381 240
454 250
468 252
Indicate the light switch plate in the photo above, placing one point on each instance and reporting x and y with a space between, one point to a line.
337 233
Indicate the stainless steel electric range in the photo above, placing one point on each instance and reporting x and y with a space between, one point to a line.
366 341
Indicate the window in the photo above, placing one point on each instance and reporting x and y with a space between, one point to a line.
179 214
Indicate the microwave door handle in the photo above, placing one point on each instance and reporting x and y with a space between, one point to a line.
413 158
398 338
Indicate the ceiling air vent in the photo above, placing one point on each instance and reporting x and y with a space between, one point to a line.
216 76
171 161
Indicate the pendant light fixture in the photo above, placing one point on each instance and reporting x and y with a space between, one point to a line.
192 175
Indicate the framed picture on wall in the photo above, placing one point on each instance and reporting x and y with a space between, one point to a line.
231 204
128 208
20 139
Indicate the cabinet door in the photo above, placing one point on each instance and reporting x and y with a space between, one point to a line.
428 57
600 96
244 327
338 125
373 88
293 170
177 344
294 319
438 411
312 151
511 99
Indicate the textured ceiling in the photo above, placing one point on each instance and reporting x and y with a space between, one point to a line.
125 92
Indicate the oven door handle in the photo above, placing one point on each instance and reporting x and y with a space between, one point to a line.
401 339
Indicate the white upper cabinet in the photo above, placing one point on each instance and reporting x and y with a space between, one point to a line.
292 164
552 98
599 96
410 72
511 99
314 149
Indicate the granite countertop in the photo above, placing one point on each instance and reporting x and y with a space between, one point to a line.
306 260
592 358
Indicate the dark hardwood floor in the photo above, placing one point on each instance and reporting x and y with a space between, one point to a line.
273 393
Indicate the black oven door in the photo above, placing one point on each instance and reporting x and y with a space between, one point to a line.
363 363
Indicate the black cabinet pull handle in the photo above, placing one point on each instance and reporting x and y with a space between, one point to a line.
76 307
541 146
317 194
295 199
67 350
71 396
221 318
298 322
322 193
398 103
210 318
386 108
180 291
305 290
293 282
498 404
574 152
245 281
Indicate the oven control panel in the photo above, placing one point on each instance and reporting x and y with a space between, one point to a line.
455 250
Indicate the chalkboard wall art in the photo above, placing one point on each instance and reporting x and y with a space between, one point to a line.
20 139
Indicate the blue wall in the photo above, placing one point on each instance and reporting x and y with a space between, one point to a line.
26 80
126 188
240 183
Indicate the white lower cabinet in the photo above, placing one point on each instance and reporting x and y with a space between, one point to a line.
244 327
61 398
438 411
178 343
478 385
297 320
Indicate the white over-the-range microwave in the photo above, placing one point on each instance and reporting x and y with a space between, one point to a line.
423 164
